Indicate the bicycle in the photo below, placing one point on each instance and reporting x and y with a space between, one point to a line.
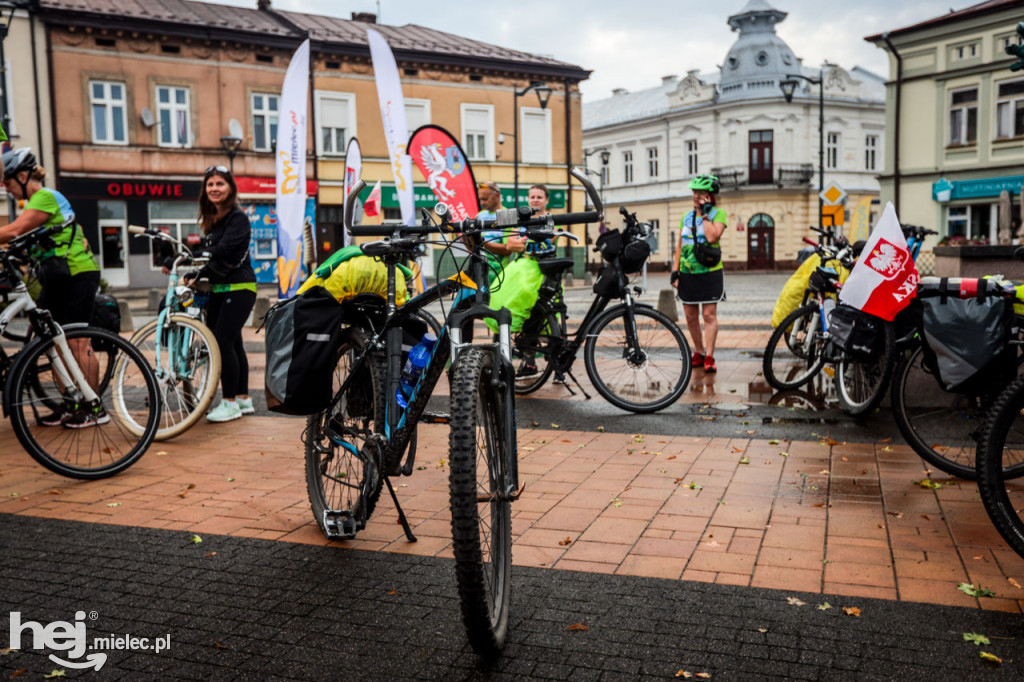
358 442
46 373
183 351
635 356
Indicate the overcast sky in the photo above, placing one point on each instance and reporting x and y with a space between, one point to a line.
633 43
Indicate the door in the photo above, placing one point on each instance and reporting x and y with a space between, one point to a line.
760 242
113 264
761 157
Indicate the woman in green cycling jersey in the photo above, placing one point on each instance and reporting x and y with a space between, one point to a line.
68 272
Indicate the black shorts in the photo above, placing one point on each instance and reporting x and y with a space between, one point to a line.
704 287
71 300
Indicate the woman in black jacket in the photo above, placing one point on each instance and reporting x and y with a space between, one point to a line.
232 287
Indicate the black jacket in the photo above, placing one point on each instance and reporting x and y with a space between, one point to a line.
227 247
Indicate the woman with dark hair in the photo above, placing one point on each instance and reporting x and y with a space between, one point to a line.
226 233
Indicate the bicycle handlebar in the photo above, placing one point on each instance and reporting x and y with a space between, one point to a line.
808 240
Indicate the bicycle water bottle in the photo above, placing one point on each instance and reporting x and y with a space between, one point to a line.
419 356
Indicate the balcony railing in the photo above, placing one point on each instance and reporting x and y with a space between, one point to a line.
783 175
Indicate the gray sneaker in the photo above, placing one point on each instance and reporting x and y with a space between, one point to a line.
245 406
225 412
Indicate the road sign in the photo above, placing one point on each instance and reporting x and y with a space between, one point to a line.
833 194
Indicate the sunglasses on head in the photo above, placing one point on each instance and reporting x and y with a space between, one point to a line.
488 185
217 169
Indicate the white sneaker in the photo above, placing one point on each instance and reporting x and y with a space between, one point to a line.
225 412
245 406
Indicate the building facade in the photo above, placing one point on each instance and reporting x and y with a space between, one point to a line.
737 124
147 92
956 113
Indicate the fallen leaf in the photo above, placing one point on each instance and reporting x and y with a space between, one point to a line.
793 601
672 457
600 429
393 592
976 639
231 479
684 674
638 438
616 502
16 673
440 465
926 517
114 504
927 483
886 440
784 454
823 472
991 658
555 426
695 486
973 591
708 419
845 459
183 494
190 486
533 422
745 460
566 541
195 539
4 652
736 449
852 611
54 673
1013 582
703 676
773 442
762 630
818 504
209 554
161 453
218 646
421 468
679 480
55 491
713 543
577 626
898 515
751 432
824 607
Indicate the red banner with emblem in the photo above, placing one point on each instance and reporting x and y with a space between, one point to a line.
443 163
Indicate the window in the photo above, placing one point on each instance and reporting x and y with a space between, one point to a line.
176 218
970 222
655 235
832 151
335 121
173 116
627 167
109 121
871 152
691 157
652 162
535 126
962 52
478 131
1010 109
264 121
963 116
606 174
417 113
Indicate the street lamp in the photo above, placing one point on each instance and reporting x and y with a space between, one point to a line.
231 145
543 95
788 87
605 156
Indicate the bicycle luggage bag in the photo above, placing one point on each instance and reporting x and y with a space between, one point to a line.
634 255
304 335
106 314
855 332
967 343
610 244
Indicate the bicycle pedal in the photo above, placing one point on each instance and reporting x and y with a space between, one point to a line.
435 418
339 524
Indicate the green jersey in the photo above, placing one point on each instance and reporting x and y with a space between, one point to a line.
71 243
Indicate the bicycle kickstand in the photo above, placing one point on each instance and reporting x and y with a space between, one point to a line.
578 385
401 515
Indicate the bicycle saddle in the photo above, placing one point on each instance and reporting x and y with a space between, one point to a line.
555 266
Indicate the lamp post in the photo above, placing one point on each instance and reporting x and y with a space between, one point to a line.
543 95
231 145
788 87
605 156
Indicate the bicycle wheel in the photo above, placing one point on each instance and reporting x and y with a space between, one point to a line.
943 428
787 369
536 348
188 371
342 455
482 444
1000 457
646 377
103 441
860 385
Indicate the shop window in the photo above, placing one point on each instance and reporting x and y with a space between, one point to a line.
109 119
264 121
963 116
969 222
176 218
1010 109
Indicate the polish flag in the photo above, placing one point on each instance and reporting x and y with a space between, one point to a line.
885 278
372 205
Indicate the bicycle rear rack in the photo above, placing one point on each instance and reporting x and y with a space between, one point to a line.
339 524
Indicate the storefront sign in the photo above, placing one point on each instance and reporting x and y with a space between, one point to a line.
147 190
975 189
425 198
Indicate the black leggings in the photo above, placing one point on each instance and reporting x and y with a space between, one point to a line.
226 314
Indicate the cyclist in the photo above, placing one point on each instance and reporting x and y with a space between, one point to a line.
701 285
500 247
68 271
232 286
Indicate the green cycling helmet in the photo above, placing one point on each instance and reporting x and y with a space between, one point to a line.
708 183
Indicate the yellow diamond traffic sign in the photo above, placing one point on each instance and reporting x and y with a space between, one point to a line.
833 194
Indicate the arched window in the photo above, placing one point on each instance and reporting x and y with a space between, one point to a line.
761 220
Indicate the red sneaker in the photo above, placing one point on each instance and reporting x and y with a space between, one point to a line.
697 360
709 364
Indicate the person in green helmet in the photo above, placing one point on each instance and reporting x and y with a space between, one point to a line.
698 275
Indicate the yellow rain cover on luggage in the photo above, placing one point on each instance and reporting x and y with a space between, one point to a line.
793 291
349 272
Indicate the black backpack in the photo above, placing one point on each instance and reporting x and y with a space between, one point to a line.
304 337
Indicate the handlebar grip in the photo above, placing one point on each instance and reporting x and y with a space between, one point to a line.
136 229
589 186
350 202
808 240
577 218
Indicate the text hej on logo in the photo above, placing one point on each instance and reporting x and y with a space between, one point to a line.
71 638
887 259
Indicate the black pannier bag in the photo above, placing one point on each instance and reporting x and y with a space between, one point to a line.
855 332
609 282
304 337
634 255
967 343
106 314
610 244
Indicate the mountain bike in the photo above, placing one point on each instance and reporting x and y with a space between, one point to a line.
114 389
355 445
182 350
635 356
